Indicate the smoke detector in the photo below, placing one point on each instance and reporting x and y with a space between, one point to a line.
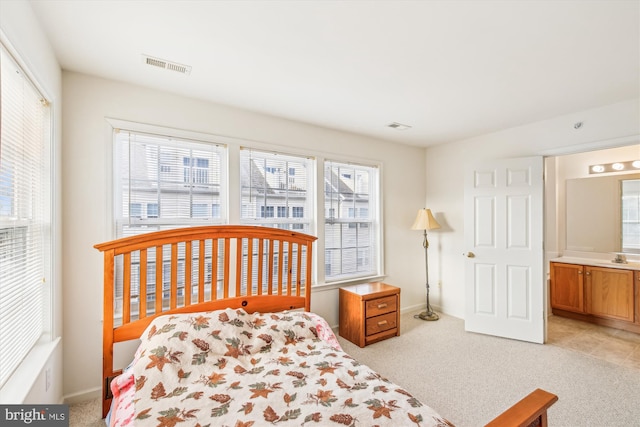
167 65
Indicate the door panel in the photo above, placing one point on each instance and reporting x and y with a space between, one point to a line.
505 288
518 289
485 289
518 230
485 220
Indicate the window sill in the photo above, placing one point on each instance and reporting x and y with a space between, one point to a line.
338 284
18 386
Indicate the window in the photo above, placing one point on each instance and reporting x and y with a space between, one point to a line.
135 210
351 194
165 182
172 180
275 189
631 215
196 170
283 212
199 210
25 214
270 184
152 210
266 211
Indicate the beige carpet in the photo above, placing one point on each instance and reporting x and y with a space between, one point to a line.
470 378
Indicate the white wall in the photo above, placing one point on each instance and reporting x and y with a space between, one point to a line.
21 31
86 184
446 164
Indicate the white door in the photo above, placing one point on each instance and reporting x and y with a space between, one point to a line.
503 231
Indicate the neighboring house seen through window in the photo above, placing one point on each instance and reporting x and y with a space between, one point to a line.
351 232
166 182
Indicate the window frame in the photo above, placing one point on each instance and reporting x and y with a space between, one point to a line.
315 209
375 225
269 214
43 284
190 138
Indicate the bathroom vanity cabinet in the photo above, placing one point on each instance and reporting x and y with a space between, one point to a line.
602 295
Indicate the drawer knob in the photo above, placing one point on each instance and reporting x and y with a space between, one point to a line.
382 322
383 305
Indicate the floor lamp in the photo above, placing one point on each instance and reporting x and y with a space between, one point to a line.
425 221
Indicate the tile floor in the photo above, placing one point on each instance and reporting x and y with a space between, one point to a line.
613 345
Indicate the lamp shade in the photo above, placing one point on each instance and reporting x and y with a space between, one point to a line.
425 221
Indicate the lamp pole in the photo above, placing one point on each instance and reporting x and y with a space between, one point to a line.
429 314
425 221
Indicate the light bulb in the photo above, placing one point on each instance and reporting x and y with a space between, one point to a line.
617 166
597 168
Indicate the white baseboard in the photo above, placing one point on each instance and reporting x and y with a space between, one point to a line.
82 396
411 308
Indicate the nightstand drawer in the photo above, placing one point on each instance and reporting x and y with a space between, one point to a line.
379 306
382 323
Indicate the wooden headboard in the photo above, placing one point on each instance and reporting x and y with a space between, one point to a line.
260 269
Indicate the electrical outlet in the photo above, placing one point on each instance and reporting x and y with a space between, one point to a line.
47 379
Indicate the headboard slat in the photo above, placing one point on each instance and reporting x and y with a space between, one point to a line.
270 281
188 270
260 265
143 284
249 281
126 289
225 279
174 276
158 290
239 244
201 268
289 268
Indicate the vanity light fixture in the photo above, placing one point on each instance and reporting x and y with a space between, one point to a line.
614 167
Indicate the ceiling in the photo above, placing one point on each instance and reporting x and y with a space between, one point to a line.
449 69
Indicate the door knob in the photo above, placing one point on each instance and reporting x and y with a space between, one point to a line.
469 254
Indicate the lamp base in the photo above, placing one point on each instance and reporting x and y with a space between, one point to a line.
427 315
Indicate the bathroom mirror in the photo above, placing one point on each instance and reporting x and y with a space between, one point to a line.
594 213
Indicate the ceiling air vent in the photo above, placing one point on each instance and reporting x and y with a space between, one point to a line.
167 65
398 126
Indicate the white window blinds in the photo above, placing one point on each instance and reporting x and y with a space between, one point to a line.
24 213
165 182
277 190
352 242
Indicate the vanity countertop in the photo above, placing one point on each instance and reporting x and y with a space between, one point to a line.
631 265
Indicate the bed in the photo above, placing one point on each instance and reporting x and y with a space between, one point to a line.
227 337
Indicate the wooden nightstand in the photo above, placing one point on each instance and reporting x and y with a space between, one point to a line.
369 312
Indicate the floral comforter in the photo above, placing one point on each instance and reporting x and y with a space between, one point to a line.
230 368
